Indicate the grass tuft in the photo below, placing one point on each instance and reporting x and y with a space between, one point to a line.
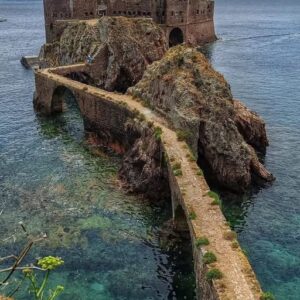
267 296
157 133
200 173
177 172
202 241
214 274
216 198
209 258
192 215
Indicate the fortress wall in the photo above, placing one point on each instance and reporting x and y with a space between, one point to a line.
176 12
200 11
194 15
200 33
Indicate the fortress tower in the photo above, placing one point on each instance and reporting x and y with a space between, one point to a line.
189 21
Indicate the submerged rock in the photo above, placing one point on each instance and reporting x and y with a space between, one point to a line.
198 102
121 49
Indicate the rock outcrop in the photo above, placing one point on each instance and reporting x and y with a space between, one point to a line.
251 126
143 170
198 103
121 48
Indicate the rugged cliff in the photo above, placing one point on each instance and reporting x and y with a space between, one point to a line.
198 103
143 169
121 49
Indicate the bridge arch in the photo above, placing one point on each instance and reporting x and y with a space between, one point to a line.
176 37
59 97
180 219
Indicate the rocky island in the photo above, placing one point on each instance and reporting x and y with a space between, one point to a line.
170 115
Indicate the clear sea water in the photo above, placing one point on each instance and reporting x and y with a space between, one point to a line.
112 242
259 54
114 245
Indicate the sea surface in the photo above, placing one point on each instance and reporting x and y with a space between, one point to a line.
113 244
258 51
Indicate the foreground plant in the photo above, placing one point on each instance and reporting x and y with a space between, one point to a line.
37 287
47 264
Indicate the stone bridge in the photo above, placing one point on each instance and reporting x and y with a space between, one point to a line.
102 110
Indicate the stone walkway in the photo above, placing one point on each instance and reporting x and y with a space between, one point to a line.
239 281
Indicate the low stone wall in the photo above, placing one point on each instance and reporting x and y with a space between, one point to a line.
108 114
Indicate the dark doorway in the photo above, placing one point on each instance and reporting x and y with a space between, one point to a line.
176 37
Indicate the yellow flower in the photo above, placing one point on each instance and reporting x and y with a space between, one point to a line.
50 262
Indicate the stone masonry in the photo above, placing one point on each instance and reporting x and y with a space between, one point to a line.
189 21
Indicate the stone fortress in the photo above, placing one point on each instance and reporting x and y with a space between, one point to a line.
189 21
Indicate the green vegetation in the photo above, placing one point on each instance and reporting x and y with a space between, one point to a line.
47 264
177 169
200 173
267 296
214 274
36 275
235 245
216 198
177 172
192 215
209 258
176 166
182 135
191 157
157 133
245 252
202 241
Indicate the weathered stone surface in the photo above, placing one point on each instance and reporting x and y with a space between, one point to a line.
143 168
121 47
29 62
251 126
198 102
183 16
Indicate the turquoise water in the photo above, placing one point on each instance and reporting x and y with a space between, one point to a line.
259 54
115 246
